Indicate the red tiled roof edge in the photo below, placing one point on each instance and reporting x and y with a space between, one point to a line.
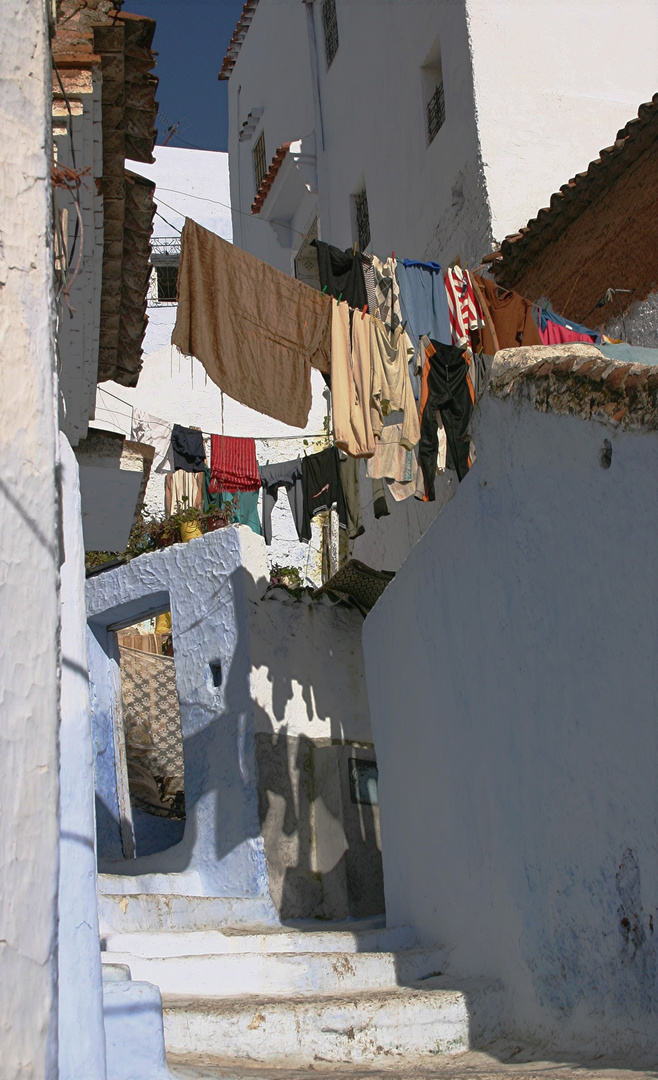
239 34
269 178
579 380
565 204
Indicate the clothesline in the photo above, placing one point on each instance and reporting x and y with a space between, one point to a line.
256 438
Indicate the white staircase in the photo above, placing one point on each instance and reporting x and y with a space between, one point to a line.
296 996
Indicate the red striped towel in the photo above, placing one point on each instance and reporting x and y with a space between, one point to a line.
233 465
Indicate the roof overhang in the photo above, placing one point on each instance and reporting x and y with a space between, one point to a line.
288 183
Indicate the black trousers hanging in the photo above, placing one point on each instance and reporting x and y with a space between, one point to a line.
445 387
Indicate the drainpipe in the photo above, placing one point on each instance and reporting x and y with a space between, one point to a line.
323 203
239 176
315 79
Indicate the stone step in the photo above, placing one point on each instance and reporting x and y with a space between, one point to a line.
411 1023
260 940
133 912
235 974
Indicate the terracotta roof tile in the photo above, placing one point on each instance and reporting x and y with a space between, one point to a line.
269 178
578 193
120 43
239 34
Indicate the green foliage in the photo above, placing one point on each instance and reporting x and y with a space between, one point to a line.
286 575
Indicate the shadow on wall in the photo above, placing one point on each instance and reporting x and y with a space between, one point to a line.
322 849
247 776
322 840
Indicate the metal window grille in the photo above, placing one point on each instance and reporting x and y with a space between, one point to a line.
330 27
362 220
436 112
167 279
260 165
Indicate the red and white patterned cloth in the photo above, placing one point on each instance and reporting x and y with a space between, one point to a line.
463 306
233 465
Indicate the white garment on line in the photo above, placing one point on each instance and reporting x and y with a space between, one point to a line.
155 432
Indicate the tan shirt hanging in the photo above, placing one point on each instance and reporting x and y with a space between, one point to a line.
256 330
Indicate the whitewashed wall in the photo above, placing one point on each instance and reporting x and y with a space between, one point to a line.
553 85
518 644
29 596
530 99
424 201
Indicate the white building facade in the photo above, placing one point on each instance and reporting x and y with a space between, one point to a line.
430 130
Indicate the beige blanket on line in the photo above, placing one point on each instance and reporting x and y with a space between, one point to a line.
256 330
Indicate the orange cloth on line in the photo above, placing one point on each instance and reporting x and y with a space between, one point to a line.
256 330
351 381
488 336
511 315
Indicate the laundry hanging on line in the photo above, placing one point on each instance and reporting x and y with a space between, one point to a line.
256 330
233 464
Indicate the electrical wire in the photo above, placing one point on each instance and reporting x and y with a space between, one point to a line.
174 227
227 206
257 438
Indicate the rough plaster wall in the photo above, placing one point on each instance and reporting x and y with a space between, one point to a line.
207 586
307 671
551 89
527 615
81 1031
79 325
29 574
388 540
310 716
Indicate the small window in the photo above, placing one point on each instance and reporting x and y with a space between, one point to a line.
167 279
362 219
165 257
260 165
330 27
363 782
431 74
436 113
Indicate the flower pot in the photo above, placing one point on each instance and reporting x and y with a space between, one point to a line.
188 530
214 523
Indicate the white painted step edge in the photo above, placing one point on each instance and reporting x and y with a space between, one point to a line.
359 1028
211 942
232 975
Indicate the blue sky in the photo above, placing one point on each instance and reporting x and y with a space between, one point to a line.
191 39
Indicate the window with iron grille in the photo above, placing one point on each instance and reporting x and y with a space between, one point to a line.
362 220
436 112
330 27
260 165
167 278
